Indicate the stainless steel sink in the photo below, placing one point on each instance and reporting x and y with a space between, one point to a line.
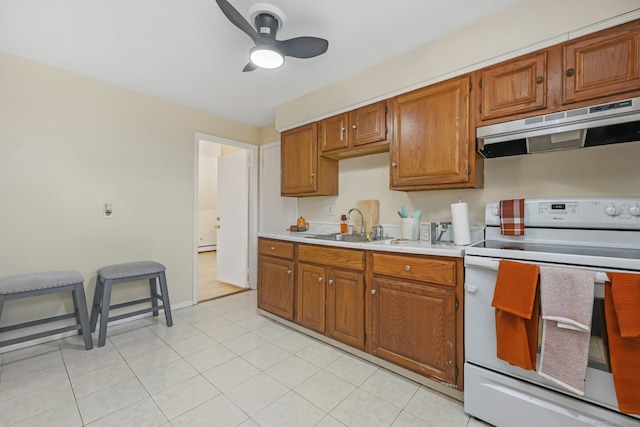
353 238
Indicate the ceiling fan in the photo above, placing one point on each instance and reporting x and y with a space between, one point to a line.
269 52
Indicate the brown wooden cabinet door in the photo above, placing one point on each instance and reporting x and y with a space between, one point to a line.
514 87
275 286
601 65
345 307
430 144
310 297
299 160
368 124
333 133
414 326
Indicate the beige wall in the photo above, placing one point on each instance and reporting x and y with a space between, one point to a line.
592 172
69 144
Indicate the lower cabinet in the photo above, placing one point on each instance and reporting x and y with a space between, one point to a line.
409 305
413 326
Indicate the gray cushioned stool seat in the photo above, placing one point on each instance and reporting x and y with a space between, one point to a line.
128 272
34 284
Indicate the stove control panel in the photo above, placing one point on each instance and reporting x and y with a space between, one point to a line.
575 213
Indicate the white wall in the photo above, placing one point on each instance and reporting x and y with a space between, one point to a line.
69 144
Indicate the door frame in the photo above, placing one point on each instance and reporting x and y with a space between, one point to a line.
252 244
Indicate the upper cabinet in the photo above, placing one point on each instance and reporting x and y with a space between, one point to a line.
303 171
432 145
513 87
594 69
355 133
603 64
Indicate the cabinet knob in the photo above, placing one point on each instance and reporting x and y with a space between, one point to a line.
373 291
331 281
343 129
312 174
354 127
319 279
570 72
539 79
407 267
273 248
394 164
289 272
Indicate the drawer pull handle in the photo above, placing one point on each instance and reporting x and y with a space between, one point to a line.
331 281
373 291
570 72
289 271
407 267
273 248
539 79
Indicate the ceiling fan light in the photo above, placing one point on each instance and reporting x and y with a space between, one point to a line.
264 57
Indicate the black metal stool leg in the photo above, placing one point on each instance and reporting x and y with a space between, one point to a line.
153 287
104 312
165 298
95 307
80 303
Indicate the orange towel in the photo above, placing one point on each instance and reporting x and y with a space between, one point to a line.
517 312
512 217
623 353
625 288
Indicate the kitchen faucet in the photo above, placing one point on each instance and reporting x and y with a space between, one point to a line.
361 217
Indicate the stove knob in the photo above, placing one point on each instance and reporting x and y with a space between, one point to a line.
635 210
612 210
495 210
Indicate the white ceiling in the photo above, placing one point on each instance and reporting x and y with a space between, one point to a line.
187 52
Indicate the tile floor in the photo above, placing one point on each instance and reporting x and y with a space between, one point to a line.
221 364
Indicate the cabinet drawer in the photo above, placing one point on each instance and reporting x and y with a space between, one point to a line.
275 248
334 257
433 270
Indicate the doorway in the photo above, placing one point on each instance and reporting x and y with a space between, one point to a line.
212 278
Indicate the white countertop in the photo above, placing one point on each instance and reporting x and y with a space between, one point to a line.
408 247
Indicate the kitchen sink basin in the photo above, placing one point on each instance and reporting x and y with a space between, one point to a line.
353 238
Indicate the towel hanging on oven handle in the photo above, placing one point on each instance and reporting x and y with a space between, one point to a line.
489 264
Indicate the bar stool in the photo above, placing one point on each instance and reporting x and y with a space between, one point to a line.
128 272
31 285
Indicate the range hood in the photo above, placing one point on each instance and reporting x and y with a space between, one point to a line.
601 124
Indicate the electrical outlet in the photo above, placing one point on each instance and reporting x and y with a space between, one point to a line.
328 210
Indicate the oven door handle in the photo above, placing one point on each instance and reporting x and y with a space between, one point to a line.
492 264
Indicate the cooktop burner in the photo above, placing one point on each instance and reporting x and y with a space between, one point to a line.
595 251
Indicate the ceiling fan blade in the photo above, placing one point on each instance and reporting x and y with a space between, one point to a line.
238 20
249 67
303 47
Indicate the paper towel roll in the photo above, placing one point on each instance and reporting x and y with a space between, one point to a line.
460 223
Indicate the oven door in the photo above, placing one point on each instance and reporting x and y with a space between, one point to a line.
480 338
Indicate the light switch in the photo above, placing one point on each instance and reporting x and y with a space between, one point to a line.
108 210
328 210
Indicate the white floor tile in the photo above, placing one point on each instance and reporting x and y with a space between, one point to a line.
152 360
196 316
320 354
34 403
292 371
290 410
128 336
437 409
294 342
249 423
238 314
361 409
266 356
329 421
218 411
211 323
161 378
226 333
99 379
210 358
66 415
352 369
325 390
405 419
254 322
144 413
231 373
256 393
96 358
391 387
14 366
32 381
111 399
193 345
244 343
135 348
30 352
272 331
185 396
175 333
